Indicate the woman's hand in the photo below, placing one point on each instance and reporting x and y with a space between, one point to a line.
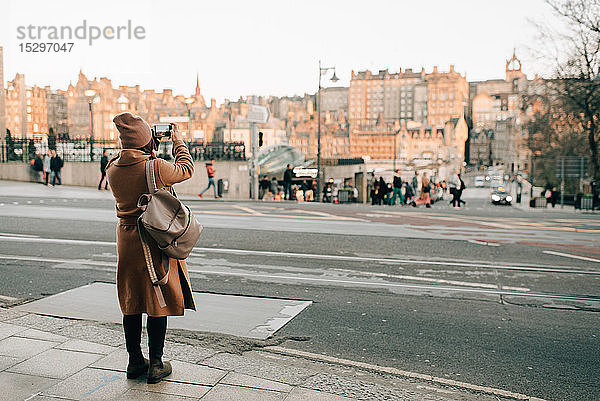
175 134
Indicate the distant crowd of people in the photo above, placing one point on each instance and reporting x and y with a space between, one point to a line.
301 191
416 192
47 168
552 195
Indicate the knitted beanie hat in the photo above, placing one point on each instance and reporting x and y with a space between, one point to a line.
134 132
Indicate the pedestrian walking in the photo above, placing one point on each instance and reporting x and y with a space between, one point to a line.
56 164
457 186
397 188
210 172
459 190
103 163
415 183
454 192
126 174
287 182
47 169
424 197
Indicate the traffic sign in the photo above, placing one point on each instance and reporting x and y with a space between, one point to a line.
258 114
572 167
300 172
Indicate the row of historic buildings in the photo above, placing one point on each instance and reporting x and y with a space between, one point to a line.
417 117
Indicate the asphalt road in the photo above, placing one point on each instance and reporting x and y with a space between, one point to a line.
492 296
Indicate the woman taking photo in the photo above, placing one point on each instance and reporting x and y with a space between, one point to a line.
126 174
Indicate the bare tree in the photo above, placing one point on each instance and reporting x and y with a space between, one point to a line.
575 84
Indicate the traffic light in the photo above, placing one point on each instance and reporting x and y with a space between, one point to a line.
260 139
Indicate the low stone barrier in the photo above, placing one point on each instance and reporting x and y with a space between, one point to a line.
85 174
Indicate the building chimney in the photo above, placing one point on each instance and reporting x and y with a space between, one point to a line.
451 67
435 70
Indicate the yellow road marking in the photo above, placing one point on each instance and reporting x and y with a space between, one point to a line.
314 213
247 209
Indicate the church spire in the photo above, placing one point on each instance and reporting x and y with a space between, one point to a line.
198 96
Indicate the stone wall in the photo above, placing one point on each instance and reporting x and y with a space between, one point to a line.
88 175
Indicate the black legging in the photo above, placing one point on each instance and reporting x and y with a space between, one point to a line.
157 328
102 179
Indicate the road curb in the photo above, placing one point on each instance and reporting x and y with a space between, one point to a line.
397 372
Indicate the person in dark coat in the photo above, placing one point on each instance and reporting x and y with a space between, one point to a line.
287 182
554 195
383 190
126 174
375 192
409 194
263 186
103 163
56 164
38 167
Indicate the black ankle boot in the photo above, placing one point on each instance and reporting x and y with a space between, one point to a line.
136 368
158 370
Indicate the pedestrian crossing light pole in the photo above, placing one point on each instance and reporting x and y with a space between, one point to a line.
91 96
257 114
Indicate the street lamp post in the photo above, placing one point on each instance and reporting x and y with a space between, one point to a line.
395 149
188 103
90 93
334 78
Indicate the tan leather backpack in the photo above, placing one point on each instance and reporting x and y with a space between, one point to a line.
170 223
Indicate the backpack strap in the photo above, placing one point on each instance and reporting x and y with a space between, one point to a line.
156 282
150 179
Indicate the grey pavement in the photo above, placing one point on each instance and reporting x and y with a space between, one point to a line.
249 317
49 358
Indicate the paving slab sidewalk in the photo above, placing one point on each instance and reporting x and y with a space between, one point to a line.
51 358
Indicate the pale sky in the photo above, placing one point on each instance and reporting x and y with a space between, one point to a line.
271 47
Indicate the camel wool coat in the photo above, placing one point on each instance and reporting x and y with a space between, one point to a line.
126 176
